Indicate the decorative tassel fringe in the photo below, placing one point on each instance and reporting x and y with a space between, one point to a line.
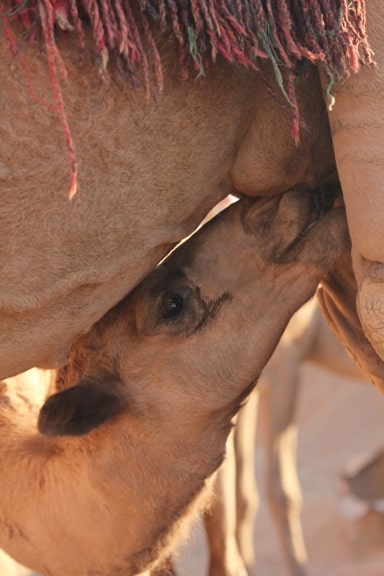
328 33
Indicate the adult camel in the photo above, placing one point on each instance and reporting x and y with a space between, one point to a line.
146 170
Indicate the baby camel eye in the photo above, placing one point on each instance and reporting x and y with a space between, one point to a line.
172 305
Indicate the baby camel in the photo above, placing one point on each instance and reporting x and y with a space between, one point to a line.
123 453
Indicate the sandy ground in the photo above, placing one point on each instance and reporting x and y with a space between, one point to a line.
338 420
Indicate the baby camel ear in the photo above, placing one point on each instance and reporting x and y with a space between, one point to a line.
77 410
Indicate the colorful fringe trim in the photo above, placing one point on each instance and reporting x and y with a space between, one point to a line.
328 33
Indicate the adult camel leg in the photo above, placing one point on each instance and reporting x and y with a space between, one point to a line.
327 352
220 521
357 125
337 297
247 499
277 404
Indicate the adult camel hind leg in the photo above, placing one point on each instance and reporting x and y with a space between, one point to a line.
307 338
278 399
337 296
220 521
356 122
277 391
229 524
247 499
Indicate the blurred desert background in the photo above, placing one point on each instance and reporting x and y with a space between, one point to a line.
340 422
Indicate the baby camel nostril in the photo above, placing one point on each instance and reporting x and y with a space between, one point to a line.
323 199
315 202
328 195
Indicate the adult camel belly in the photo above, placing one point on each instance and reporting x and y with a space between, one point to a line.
148 172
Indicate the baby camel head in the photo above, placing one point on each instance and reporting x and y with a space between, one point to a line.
193 337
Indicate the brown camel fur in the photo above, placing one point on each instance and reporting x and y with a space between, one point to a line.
125 452
148 173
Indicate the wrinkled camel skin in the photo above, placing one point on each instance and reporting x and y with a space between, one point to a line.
161 389
358 139
230 522
148 173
